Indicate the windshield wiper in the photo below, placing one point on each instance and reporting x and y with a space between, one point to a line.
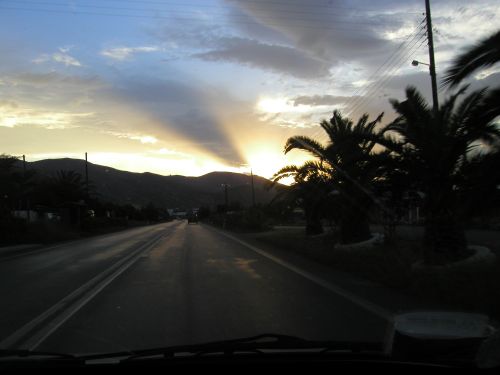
256 344
24 353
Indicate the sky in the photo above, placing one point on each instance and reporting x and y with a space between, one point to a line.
194 86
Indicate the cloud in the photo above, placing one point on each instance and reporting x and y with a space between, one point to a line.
321 100
276 58
54 79
330 32
124 53
144 139
60 91
8 104
16 117
187 111
60 57
42 59
65 59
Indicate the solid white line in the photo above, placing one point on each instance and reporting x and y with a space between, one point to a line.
36 340
367 305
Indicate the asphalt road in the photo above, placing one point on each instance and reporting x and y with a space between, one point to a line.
169 284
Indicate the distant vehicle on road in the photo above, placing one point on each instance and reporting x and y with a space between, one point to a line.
193 218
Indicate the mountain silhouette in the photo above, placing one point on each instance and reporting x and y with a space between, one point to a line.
139 189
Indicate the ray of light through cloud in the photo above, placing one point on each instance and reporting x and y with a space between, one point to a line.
196 86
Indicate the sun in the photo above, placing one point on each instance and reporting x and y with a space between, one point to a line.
265 163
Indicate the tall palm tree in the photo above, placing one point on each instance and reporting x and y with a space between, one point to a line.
483 55
352 166
436 146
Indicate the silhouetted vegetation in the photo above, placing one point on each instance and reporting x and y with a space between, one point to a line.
445 160
40 208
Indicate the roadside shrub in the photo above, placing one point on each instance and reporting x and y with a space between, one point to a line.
250 220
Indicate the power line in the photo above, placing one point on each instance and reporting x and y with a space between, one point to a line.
285 4
249 21
396 57
261 15
398 50
175 5
389 77
394 67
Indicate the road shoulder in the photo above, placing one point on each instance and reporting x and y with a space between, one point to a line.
366 290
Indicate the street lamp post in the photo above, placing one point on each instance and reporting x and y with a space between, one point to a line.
416 63
432 64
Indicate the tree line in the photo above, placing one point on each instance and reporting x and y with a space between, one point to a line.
63 198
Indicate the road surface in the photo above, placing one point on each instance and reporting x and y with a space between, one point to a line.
169 284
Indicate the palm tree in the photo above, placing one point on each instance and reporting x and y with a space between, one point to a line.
484 54
69 186
351 165
308 190
436 146
11 183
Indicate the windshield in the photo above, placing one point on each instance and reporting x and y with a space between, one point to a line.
181 172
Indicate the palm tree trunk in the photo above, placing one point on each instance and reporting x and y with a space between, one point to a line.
444 237
313 221
354 223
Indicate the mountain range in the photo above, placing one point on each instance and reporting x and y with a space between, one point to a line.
139 189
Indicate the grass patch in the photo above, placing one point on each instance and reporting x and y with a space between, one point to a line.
472 287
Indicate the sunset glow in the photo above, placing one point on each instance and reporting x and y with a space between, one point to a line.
141 90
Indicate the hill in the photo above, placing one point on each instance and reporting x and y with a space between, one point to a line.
139 189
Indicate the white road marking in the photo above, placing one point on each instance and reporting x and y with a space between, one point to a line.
30 336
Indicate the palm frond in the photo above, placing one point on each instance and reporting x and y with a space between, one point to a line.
483 55
305 144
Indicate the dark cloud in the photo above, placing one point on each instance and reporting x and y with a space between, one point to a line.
329 31
317 100
304 39
185 109
276 58
248 26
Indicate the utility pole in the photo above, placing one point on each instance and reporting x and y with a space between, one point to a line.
27 202
86 177
226 199
432 65
226 208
